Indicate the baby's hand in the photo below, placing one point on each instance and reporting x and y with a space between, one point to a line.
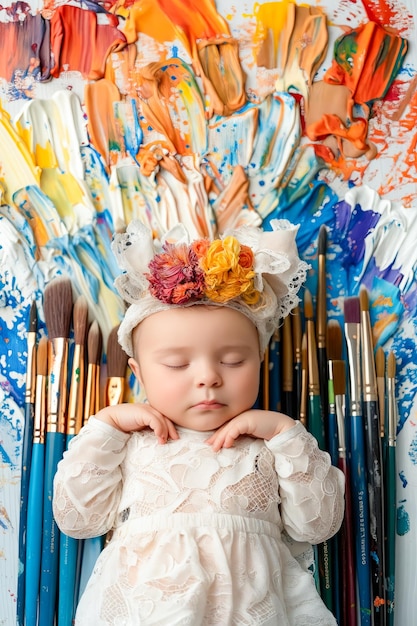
130 417
256 423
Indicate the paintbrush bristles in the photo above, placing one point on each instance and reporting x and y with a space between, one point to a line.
116 356
339 378
33 318
380 363
352 310
322 240
58 307
94 343
308 305
334 340
391 365
42 357
80 320
364 299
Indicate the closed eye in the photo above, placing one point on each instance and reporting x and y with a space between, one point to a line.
176 367
232 363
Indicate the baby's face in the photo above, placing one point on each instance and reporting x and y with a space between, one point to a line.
199 365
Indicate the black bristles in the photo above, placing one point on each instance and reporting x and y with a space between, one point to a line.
33 318
322 241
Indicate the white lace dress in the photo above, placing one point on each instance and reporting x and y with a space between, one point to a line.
196 535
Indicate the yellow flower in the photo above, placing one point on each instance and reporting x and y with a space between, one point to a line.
228 270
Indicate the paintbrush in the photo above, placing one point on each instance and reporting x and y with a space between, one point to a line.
380 383
334 353
321 322
360 503
374 462
315 412
304 381
26 456
265 380
98 388
316 427
297 334
34 527
348 608
287 368
391 496
116 370
92 546
93 350
68 546
274 371
58 311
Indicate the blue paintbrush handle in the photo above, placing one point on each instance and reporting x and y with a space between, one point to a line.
24 491
68 553
50 545
68 556
34 534
360 505
91 551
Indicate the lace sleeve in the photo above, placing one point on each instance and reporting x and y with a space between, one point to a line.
87 484
311 489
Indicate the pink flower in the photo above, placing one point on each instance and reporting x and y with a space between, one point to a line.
175 276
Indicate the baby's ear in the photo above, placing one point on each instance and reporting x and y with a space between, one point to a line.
134 366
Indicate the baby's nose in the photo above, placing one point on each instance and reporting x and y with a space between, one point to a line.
209 376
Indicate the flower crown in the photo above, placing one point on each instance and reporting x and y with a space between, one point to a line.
220 271
253 271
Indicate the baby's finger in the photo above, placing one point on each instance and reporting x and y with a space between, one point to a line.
172 431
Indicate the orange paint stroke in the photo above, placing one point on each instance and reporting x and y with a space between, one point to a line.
104 133
197 18
171 104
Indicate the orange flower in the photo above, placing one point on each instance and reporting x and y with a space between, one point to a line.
228 269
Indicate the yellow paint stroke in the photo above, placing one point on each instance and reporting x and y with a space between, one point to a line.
17 168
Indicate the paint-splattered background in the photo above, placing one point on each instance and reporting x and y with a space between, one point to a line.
214 115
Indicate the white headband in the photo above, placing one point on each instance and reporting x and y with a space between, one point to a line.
253 271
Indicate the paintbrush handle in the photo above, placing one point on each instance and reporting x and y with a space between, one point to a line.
347 554
274 375
34 535
376 508
298 375
360 508
325 561
391 531
315 426
24 491
332 431
315 420
91 550
323 380
55 443
68 557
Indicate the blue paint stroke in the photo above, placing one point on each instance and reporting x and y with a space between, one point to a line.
403 521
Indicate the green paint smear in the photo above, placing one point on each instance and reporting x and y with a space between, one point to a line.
403 521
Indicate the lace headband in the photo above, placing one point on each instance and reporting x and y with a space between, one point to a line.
253 271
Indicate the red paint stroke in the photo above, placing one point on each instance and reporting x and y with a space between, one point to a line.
82 42
385 12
